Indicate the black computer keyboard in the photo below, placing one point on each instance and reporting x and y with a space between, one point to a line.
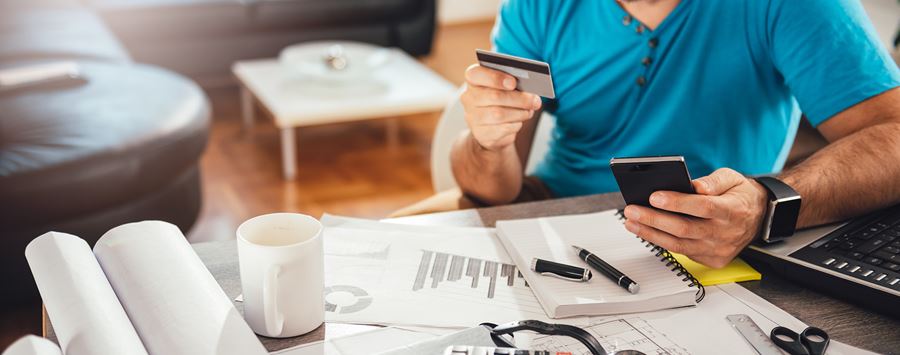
866 249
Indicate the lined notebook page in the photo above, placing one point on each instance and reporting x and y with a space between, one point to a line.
603 234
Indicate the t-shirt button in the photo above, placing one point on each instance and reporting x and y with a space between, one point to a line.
639 29
653 42
626 20
646 61
641 81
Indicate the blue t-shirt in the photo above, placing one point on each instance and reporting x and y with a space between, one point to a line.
722 83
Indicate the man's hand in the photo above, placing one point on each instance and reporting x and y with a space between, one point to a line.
713 226
494 110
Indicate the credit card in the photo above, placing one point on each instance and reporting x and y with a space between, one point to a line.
532 76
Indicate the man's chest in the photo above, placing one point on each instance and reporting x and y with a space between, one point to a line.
613 73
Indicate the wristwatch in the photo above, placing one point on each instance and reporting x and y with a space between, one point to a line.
783 210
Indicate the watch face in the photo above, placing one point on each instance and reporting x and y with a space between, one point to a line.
784 221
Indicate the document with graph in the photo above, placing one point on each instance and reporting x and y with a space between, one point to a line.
664 283
392 274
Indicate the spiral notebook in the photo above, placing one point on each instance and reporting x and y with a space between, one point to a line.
664 282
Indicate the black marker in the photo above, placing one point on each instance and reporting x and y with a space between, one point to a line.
606 269
563 271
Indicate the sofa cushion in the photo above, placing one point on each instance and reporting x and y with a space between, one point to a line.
56 32
125 133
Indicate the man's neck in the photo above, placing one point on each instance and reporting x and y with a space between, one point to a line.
650 12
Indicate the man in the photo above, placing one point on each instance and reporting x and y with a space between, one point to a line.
723 83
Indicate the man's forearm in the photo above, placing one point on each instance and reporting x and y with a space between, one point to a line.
490 176
850 176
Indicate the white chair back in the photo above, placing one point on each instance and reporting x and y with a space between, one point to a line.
452 123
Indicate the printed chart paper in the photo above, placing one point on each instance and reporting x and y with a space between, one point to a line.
383 273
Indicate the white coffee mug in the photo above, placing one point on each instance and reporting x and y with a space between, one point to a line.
282 273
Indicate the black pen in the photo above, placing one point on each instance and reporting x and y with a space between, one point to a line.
606 269
563 271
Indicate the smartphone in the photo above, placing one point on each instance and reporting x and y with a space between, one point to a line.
639 177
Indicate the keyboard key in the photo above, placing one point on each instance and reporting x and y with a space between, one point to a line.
869 246
867 273
892 250
864 235
882 255
838 252
892 266
849 245
841 265
880 277
856 255
854 269
895 244
873 261
821 241
894 281
830 245
828 261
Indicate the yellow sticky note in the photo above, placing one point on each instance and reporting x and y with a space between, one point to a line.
736 271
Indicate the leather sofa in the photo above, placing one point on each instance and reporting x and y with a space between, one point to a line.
122 146
203 38
125 145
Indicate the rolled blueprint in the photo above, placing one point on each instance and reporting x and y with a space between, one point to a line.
175 304
85 312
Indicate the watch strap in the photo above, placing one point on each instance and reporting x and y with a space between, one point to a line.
777 189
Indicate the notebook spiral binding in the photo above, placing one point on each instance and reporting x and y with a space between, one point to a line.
665 256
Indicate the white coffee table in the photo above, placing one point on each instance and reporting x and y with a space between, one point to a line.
403 86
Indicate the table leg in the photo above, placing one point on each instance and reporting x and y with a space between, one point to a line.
393 133
247 108
288 158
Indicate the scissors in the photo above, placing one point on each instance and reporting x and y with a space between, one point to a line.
811 341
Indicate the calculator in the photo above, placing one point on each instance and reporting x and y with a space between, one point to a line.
487 350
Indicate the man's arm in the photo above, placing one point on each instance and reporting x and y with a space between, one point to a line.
488 160
856 173
859 170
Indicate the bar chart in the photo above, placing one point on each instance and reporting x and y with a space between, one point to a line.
437 267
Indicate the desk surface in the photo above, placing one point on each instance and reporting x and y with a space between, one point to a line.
844 322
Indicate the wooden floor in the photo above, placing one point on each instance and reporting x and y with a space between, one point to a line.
346 169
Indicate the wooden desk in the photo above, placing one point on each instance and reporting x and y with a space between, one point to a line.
844 322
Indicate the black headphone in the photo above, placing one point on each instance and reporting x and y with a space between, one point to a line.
498 331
